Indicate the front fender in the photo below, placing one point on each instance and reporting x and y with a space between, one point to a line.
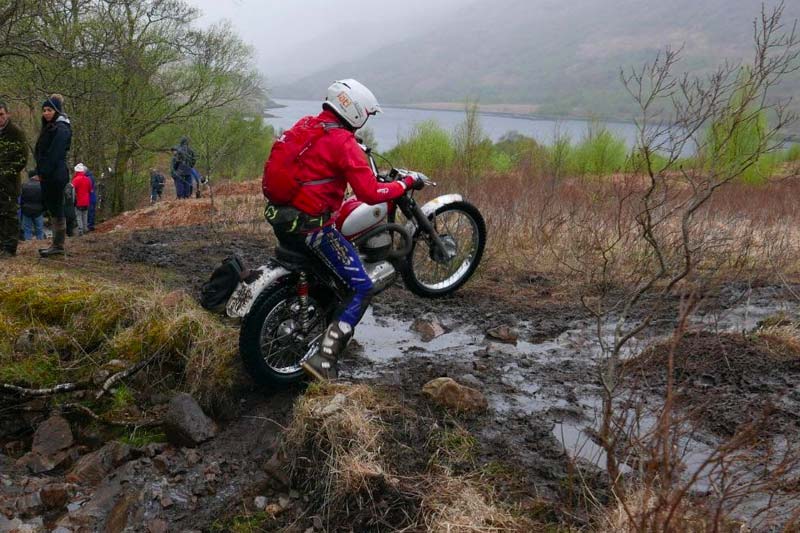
430 207
246 293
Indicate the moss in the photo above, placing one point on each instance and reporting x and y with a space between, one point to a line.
453 446
246 522
31 371
82 323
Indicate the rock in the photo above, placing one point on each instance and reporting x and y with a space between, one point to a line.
274 468
93 467
56 495
334 406
273 509
116 364
157 526
107 509
470 381
447 393
118 517
101 376
162 463
18 526
51 442
260 502
154 448
429 327
185 423
284 502
26 342
192 457
52 436
503 334
318 524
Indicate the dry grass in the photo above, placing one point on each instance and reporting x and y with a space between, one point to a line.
67 327
557 227
340 452
635 515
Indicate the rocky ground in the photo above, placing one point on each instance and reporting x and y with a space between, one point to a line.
525 352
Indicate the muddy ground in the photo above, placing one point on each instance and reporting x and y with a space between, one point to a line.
542 389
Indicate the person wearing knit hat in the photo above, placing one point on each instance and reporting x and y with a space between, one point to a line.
50 154
54 102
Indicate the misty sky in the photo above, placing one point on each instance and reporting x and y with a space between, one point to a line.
293 38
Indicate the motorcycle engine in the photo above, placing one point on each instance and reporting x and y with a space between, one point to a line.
377 248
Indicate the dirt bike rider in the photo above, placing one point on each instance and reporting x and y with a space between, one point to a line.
329 164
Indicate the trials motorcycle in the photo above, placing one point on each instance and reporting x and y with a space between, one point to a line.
286 305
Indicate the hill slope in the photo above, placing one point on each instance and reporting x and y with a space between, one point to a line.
562 56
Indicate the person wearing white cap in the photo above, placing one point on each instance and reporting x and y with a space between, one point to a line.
83 193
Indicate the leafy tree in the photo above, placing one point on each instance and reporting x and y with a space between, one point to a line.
129 68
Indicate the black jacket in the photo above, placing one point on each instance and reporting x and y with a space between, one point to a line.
31 201
13 157
157 181
51 150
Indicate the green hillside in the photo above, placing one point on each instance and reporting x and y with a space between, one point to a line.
564 57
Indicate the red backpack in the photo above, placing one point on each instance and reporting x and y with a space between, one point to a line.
283 171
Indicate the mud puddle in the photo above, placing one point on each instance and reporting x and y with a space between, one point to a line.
551 383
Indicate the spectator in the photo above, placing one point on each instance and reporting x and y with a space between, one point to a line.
183 161
156 185
51 150
70 214
32 208
197 180
13 157
92 200
83 192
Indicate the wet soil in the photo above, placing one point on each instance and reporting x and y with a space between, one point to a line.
728 381
542 391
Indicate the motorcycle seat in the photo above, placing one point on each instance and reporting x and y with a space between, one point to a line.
290 258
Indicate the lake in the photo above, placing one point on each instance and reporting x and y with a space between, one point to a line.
396 122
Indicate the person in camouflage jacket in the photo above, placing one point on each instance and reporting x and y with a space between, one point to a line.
13 158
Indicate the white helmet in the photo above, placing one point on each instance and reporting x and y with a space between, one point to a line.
80 167
352 101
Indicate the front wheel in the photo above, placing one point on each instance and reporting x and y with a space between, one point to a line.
429 272
272 340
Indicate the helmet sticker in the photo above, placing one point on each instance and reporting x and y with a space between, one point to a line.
344 99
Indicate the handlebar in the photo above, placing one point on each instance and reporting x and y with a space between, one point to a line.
395 173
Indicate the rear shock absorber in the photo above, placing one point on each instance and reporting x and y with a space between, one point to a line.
302 296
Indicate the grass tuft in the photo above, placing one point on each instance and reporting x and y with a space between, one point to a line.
77 324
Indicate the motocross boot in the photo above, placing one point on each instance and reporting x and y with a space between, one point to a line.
323 365
59 235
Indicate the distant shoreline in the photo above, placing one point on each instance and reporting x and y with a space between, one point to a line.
494 110
525 112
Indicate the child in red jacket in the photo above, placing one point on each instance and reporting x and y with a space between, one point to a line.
83 193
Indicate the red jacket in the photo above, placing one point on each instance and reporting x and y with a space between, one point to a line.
337 155
83 189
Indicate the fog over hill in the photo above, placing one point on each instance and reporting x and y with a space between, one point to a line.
563 57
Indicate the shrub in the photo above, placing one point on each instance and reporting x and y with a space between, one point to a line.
599 153
428 148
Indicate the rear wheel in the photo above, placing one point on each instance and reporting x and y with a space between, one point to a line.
272 342
429 272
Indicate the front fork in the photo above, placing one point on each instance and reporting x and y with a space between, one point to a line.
426 226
